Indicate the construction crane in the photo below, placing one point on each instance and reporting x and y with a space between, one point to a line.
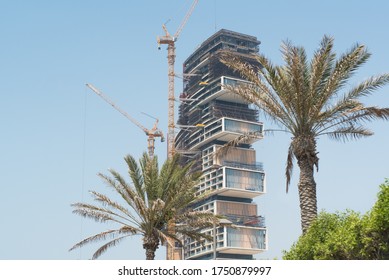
171 251
151 133
170 40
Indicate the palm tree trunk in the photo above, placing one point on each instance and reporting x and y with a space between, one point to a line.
150 254
304 149
150 244
307 193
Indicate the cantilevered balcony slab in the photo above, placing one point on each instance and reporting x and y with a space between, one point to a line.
236 240
226 130
216 89
238 193
234 182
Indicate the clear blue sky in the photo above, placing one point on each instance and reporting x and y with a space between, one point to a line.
56 135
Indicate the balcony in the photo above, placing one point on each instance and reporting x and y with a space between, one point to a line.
243 183
258 166
249 221
226 129
239 213
216 90
238 240
242 240
233 182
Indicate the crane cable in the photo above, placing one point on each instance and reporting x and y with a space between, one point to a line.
181 11
215 7
83 162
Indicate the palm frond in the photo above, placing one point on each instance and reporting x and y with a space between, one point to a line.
157 206
348 132
271 131
94 212
198 236
350 109
106 201
151 178
351 117
367 87
108 245
259 92
141 208
122 186
135 174
241 139
344 67
202 219
166 238
169 175
104 235
282 84
247 71
289 166
321 66
279 98
159 197
100 214
125 191
309 99
298 72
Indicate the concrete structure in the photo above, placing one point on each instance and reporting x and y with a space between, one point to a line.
211 116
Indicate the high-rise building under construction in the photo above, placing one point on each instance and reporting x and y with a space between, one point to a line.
211 116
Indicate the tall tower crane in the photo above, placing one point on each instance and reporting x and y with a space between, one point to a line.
170 40
151 133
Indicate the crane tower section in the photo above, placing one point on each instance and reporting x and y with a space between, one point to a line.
170 40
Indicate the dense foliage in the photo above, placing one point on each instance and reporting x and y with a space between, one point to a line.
348 235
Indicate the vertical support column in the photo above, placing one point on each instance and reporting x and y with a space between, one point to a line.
150 146
214 241
172 253
171 59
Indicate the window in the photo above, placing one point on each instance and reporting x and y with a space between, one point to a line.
241 127
246 238
246 180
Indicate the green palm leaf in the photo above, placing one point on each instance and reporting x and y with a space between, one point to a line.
152 200
309 99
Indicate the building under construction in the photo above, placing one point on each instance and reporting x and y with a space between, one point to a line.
211 116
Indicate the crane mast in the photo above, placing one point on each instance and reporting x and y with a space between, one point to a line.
171 251
170 40
151 133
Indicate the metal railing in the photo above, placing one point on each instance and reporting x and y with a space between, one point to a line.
250 221
257 166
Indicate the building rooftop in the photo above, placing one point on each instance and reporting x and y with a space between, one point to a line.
225 36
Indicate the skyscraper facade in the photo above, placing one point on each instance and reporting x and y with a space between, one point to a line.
209 117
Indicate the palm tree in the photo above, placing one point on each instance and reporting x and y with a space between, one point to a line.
154 198
309 99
